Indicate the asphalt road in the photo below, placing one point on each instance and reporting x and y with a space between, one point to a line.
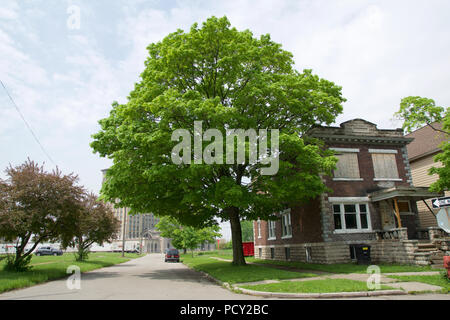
148 277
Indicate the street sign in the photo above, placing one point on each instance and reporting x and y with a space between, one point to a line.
443 219
441 202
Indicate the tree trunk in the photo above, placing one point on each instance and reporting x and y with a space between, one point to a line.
236 237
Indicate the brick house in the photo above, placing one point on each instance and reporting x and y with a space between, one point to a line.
421 151
373 202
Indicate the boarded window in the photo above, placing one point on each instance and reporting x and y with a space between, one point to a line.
384 165
347 165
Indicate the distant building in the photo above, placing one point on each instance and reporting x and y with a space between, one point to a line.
139 229
421 151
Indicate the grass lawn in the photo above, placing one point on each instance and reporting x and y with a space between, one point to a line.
437 280
343 267
314 286
47 268
226 272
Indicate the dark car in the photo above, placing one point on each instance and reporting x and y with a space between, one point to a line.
172 255
48 251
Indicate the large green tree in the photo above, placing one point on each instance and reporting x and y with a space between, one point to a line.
227 79
416 112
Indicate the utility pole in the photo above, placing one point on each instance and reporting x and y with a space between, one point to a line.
124 230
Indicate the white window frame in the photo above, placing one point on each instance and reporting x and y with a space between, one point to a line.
287 214
271 228
258 224
358 218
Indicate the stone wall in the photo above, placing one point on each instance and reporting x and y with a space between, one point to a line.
381 251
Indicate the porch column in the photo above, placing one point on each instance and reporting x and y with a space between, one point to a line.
397 213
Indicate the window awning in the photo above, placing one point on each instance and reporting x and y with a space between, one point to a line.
413 193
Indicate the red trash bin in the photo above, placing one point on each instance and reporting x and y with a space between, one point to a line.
249 249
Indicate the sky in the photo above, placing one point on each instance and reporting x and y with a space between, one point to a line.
65 62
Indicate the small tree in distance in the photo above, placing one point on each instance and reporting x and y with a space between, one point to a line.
186 237
36 206
94 223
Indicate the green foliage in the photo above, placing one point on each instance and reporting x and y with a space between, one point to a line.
443 183
18 265
227 79
417 112
186 237
247 230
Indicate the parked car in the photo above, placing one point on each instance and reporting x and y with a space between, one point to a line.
172 255
48 251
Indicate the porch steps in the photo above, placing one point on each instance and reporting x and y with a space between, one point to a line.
428 253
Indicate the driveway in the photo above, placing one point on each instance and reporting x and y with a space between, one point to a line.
148 277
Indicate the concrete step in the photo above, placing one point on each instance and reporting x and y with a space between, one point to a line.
433 250
424 254
437 266
426 245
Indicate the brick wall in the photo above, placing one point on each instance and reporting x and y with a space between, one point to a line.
306 226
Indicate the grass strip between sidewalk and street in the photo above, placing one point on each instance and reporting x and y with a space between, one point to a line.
226 272
314 286
46 268
437 280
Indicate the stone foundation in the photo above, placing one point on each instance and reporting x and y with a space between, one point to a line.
381 251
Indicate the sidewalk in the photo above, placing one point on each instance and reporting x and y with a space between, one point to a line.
402 288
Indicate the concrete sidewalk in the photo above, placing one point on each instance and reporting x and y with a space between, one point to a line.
401 288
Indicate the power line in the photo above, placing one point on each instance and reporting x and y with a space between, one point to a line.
26 123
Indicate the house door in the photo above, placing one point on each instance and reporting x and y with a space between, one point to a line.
387 215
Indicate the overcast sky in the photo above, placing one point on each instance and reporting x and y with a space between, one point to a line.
64 76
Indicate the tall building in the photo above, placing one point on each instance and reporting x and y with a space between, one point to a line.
138 229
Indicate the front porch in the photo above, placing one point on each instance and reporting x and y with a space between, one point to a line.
399 214
400 223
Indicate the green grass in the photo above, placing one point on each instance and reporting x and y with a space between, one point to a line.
437 280
343 267
226 272
314 286
47 268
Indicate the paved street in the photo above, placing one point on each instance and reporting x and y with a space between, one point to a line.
148 277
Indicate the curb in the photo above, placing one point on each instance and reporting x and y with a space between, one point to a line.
303 295
322 295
